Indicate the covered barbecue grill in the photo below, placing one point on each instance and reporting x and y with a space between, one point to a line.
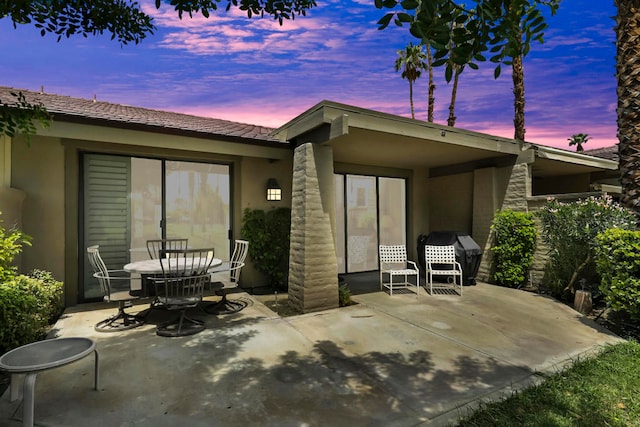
468 253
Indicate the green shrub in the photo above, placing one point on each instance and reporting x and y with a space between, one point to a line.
49 294
344 296
27 306
618 263
268 235
515 243
11 242
570 231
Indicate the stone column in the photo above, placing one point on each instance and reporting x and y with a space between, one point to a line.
313 269
496 189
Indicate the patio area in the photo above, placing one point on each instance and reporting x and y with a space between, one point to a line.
396 360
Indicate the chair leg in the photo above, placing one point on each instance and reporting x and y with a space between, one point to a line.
180 327
225 306
121 321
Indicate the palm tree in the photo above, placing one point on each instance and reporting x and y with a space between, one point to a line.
457 24
627 67
578 139
411 61
431 100
517 75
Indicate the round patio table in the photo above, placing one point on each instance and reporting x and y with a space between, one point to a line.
40 356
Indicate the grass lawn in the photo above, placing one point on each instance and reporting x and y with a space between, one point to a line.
601 391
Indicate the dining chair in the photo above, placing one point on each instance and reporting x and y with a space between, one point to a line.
394 262
157 247
441 261
227 277
185 272
116 287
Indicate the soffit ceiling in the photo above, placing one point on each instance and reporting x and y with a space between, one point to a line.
375 148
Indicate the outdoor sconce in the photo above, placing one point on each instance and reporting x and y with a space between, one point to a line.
274 192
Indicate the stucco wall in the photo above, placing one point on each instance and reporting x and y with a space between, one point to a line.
450 203
252 183
419 213
38 170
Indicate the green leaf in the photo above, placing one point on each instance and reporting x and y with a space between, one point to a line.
448 73
404 17
439 62
496 72
384 21
409 4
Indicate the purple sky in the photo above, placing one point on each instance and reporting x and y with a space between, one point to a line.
258 72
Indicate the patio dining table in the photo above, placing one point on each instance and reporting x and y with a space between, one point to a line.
153 267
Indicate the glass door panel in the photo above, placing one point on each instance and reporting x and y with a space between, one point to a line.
146 205
392 211
197 204
340 223
362 225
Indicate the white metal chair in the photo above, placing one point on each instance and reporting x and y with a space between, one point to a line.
184 276
441 261
394 262
116 287
227 276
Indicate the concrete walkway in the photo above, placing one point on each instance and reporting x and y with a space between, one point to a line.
396 360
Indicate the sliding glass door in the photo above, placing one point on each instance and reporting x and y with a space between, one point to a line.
127 201
370 211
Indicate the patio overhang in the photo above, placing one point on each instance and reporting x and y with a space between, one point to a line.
556 162
361 136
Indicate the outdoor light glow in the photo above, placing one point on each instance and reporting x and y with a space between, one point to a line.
274 192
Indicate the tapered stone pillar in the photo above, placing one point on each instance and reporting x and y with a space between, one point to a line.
313 269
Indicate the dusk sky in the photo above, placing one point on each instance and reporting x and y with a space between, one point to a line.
256 71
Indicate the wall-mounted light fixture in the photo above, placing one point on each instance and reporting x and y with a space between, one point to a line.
274 192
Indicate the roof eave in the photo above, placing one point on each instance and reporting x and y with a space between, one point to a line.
551 153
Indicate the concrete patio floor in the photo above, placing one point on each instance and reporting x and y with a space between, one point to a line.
396 360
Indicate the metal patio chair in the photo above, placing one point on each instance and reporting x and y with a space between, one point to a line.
226 277
157 247
394 262
441 261
184 276
116 287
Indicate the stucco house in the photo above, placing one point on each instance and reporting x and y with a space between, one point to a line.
354 178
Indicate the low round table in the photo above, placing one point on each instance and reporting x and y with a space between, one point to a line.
40 356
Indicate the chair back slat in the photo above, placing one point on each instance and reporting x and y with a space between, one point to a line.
157 247
100 271
238 260
184 276
440 254
393 254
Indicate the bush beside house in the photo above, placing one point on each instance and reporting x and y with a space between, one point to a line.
618 264
28 303
514 246
569 230
268 235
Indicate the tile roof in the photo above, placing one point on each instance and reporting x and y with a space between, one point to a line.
68 109
610 153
